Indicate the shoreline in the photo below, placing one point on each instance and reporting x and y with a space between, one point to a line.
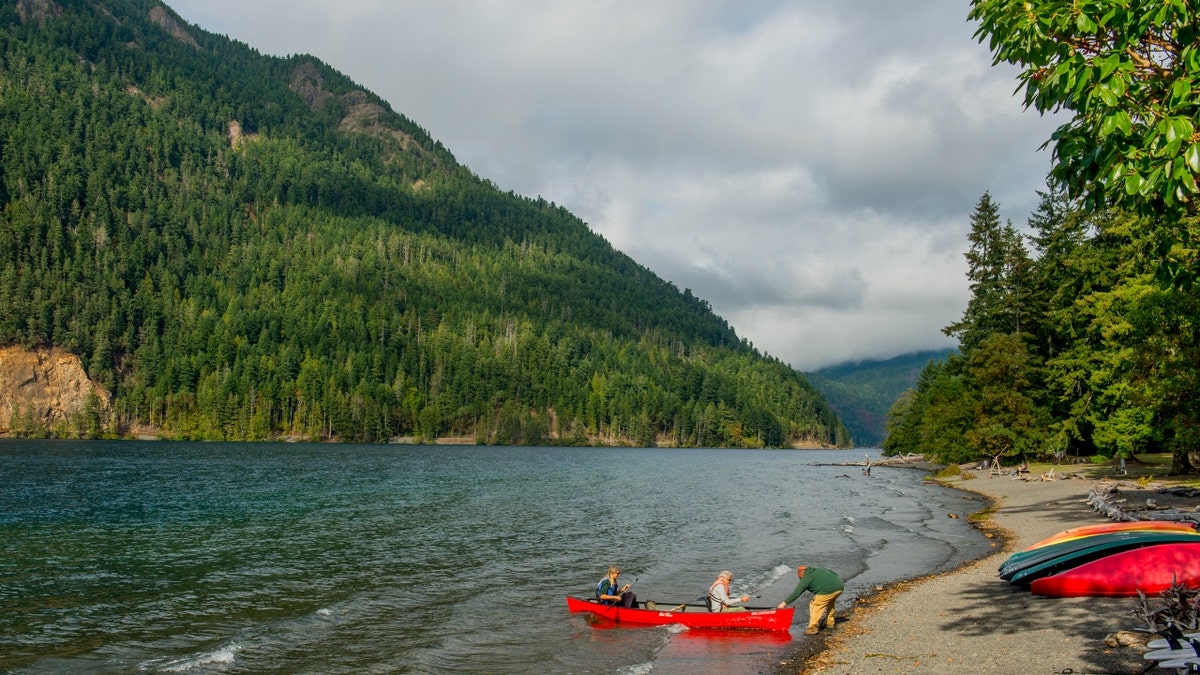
967 619
814 654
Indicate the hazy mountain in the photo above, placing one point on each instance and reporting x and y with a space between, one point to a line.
862 392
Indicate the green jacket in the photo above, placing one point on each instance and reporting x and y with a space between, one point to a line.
818 580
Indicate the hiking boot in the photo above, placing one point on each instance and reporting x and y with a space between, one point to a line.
812 630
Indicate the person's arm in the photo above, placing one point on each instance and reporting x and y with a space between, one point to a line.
606 586
728 600
796 592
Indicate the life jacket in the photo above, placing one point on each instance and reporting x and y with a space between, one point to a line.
710 601
612 590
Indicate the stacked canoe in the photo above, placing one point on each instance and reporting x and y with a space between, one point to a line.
1111 559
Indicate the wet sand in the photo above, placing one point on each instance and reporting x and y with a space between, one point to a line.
970 620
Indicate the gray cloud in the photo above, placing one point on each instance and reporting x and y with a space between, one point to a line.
808 167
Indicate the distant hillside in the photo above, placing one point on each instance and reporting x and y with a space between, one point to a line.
863 392
248 247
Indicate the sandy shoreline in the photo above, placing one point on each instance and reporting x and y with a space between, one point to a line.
969 620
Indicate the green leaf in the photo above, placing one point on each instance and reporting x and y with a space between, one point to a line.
1116 173
1106 94
1192 155
1133 184
1180 90
1190 56
1108 65
1152 181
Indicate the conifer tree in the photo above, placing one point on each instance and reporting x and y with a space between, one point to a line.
998 269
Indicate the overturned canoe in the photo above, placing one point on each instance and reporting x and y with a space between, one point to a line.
1025 566
1103 528
752 619
1151 570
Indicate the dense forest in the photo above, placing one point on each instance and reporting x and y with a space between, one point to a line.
1071 347
1081 339
862 392
241 246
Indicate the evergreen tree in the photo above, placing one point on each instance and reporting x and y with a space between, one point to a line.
998 269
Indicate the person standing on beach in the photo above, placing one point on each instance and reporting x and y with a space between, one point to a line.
826 586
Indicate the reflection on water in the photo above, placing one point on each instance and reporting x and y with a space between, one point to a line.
188 557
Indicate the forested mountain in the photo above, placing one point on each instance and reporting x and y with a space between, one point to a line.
242 246
862 392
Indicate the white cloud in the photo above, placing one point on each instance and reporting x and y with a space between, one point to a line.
807 166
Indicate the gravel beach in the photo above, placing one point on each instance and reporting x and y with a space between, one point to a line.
971 621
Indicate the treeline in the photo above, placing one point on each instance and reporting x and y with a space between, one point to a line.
1071 346
248 247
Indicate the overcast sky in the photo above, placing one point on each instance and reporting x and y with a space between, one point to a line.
809 167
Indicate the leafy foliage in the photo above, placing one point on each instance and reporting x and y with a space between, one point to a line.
1129 73
249 247
1103 364
1109 313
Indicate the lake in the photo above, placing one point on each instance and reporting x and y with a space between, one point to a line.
259 557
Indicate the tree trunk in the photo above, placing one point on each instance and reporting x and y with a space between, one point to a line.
1181 464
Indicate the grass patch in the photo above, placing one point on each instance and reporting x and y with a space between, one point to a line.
948 472
980 516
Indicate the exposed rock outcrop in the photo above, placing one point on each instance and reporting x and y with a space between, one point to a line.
46 388
308 83
165 21
363 116
38 10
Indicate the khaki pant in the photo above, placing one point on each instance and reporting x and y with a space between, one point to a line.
820 605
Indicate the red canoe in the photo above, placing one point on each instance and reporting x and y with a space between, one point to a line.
1151 569
1103 528
754 619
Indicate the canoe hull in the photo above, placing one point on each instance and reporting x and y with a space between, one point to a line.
1151 570
761 619
1104 528
1025 566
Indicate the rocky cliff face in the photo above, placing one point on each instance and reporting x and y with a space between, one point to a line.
46 388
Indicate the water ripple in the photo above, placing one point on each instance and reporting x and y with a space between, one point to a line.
217 558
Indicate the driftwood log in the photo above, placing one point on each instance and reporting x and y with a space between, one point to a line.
1105 498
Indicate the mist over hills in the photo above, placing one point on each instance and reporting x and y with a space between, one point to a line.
862 392
249 247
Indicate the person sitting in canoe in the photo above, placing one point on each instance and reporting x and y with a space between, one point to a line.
718 595
607 593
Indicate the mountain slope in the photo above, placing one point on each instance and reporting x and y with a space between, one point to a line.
863 392
246 247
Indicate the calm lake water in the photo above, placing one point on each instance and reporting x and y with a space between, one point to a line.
119 557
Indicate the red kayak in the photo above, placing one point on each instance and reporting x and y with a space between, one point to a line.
1104 528
690 616
1151 569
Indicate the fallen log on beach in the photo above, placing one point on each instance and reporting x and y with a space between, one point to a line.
1103 498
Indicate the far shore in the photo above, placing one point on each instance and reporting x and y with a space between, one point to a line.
148 433
969 620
